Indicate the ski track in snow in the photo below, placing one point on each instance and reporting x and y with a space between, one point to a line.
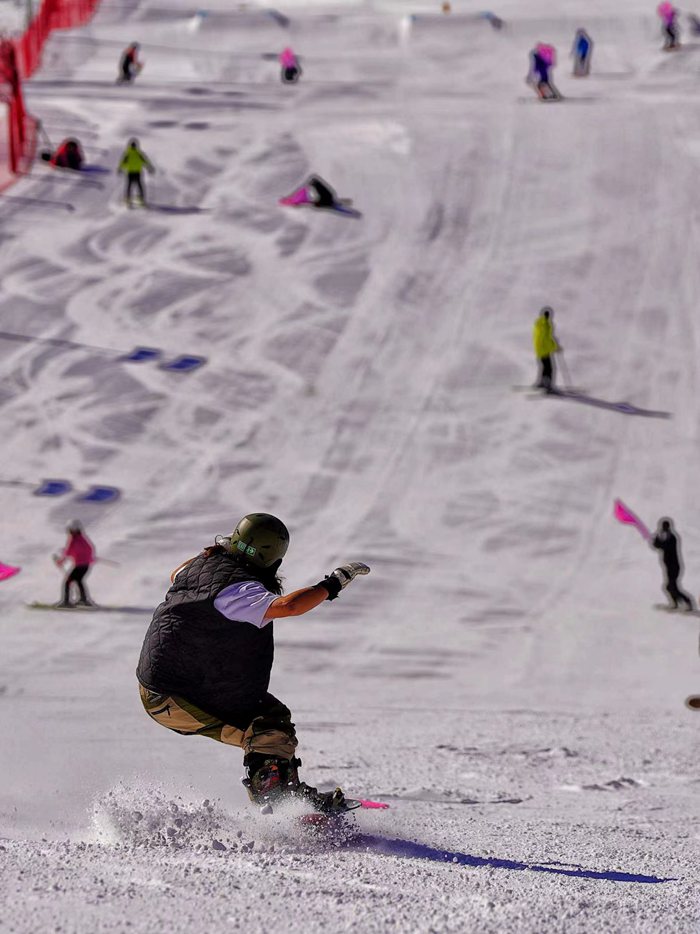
502 678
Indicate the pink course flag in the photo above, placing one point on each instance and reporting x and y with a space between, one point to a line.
6 570
625 515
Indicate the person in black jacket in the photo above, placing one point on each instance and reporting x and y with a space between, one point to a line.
668 544
206 660
129 64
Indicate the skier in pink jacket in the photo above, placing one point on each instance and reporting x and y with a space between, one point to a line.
669 18
80 550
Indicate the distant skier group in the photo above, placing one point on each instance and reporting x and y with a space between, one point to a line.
543 57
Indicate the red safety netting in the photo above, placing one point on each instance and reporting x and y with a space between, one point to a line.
53 14
19 59
16 117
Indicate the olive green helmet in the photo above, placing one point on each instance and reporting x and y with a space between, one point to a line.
260 538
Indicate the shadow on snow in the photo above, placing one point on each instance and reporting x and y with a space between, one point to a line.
408 849
174 209
624 408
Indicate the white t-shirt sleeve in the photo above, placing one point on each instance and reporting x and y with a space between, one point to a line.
246 602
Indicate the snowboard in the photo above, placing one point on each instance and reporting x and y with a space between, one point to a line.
319 819
338 207
37 605
341 208
302 198
675 609
555 391
693 702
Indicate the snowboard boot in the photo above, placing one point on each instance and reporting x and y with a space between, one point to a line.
325 802
271 780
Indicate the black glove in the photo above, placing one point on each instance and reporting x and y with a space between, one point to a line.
341 577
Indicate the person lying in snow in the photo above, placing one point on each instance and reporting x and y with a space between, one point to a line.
68 155
206 659
315 192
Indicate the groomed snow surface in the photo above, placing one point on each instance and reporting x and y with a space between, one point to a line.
12 16
502 678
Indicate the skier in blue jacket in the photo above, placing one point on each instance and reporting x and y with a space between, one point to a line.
582 51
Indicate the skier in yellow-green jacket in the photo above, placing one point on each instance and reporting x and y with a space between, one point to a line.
132 163
545 346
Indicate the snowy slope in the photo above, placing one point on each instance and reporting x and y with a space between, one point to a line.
502 678
12 16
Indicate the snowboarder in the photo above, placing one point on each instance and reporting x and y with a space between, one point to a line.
206 659
668 544
69 155
582 50
314 192
545 346
132 163
129 65
542 59
321 192
291 69
80 550
669 18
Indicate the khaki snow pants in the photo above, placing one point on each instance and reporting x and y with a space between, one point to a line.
270 732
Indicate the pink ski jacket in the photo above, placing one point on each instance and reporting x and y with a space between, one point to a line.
80 549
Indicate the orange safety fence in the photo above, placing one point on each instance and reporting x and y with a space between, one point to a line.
19 59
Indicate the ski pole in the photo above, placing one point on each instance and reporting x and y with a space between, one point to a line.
42 132
565 370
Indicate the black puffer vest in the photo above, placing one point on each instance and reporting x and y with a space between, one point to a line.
191 649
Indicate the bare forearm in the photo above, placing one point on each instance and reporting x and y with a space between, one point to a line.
297 603
301 601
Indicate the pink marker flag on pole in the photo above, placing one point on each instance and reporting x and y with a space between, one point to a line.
625 515
6 570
